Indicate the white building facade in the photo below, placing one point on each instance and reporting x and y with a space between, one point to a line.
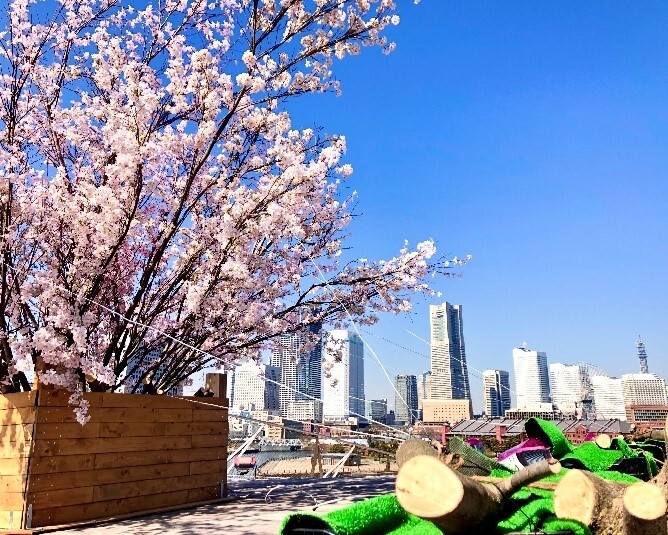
343 384
254 387
608 397
643 389
532 383
299 361
449 371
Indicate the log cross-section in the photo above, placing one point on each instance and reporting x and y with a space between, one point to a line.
454 502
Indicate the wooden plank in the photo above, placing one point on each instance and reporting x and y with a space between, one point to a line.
132 489
89 478
62 430
79 446
50 397
17 482
15 433
104 414
62 463
214 415
16 449
209 441
14 466
11 501
208 403
138 401
11 521
204 494
21 415
137 429
204 467
115 460
60 498
92 511
17 400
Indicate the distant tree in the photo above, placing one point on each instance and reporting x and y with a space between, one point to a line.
156 196
338 448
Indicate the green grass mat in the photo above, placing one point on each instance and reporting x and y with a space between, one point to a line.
374 516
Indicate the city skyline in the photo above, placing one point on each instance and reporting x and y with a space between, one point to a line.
423 379
536 146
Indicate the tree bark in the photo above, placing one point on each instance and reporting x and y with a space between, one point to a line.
644 510
457 504
661 479
412 448
592 500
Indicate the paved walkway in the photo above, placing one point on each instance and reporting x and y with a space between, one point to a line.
258 507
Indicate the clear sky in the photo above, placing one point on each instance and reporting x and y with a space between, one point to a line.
533 136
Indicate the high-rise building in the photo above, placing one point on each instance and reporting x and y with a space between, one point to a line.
643 389
424 390
608 397
138 366
449 373
570 386
254 387
405 401
496 386
377 411
532 383
301 367
343 389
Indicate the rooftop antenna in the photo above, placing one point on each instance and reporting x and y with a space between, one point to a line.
642 356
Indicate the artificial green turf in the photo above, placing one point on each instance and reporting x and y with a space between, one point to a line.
374 516
528 509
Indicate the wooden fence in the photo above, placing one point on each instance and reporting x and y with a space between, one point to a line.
137 453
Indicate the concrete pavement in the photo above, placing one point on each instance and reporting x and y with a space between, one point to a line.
257 507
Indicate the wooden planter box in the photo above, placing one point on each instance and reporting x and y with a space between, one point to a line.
137 453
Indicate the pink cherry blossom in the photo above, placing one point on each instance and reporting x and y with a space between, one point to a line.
156 195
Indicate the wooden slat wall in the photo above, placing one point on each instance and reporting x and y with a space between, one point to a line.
17 417
136 453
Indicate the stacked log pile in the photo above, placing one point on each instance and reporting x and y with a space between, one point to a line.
429 486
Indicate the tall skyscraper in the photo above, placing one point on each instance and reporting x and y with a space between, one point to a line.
250 390
532 382
424 388
301 368
343 390
138 366
608 397
405 401
376 410
449 373
570 386
496 385
643 389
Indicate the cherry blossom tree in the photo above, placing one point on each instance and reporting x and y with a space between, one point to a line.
155 194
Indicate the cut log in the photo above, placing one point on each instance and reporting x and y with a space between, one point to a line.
456 503
412 448
644 510
592 500
603 441
661 479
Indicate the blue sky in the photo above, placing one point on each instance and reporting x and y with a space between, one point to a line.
532 136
